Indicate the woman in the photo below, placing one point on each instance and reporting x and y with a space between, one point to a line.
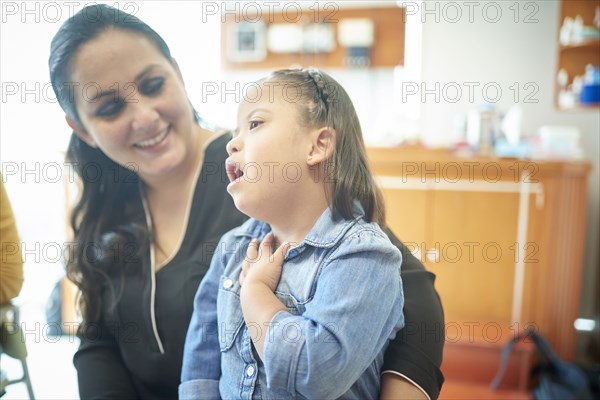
152 209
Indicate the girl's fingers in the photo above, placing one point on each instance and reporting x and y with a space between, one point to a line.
251 257
251 252
266 247
262 264
263 250
281 251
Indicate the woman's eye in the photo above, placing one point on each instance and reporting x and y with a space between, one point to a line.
151 86
110 108
254 124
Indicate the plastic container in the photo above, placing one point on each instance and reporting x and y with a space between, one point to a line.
590 94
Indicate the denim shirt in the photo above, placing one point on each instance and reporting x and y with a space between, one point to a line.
343 293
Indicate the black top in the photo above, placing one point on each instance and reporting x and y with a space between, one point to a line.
122 357
416 352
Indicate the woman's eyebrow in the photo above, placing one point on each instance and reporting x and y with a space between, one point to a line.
111 92
145 71
102 93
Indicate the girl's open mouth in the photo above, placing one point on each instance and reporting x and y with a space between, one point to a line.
234 172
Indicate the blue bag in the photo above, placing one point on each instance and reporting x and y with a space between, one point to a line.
558 379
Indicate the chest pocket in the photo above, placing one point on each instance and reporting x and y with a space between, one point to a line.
229 310
289 300
298 282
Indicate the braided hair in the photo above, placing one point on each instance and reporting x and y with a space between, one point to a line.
324 102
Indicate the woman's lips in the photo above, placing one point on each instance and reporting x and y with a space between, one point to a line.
153 141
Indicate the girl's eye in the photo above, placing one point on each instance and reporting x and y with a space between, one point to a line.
110 108
151 86
254 124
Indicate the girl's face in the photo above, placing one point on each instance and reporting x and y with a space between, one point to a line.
132 104
268 166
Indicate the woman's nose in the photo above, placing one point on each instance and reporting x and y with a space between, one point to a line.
145 117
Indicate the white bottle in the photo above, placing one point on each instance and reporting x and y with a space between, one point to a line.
577 32
565 31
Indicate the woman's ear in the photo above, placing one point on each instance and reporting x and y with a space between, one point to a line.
322 146
80 132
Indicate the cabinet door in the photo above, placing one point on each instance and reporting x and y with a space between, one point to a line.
471 250
406 216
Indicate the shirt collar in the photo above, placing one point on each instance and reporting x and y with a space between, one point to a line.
325 233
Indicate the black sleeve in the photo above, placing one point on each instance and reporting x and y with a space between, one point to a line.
101 373
416 352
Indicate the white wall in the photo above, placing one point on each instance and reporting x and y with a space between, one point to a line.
505 53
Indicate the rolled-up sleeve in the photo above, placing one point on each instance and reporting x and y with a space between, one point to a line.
199 389
356 308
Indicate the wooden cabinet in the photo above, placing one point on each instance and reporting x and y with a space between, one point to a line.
505 238
574 55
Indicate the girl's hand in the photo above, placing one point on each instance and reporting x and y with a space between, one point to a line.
261 271
261 265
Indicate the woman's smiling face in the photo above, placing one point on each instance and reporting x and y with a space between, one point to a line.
132 104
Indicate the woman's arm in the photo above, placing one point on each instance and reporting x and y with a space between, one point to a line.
100 370
396 387
415 355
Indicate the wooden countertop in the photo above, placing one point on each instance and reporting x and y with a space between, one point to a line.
409 160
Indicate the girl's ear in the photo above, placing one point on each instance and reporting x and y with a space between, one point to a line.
322 146
80 132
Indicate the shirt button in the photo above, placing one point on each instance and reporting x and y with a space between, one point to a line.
250 371
227 283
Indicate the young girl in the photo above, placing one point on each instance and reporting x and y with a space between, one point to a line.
301 300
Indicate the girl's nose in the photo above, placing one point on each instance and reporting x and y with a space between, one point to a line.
233 146
145 117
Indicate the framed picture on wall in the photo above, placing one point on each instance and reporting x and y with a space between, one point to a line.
247 42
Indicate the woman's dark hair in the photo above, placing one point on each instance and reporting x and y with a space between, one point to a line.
108 220
323 102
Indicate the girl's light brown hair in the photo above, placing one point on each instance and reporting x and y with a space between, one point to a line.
323 102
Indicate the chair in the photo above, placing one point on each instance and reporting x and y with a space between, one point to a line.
12 343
